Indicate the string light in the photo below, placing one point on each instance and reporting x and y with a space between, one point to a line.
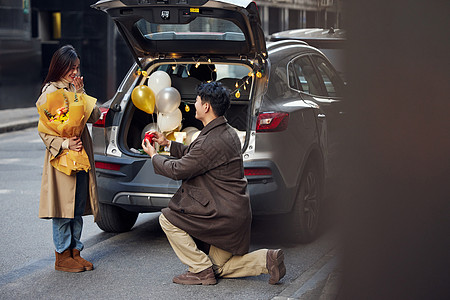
241 84
140 72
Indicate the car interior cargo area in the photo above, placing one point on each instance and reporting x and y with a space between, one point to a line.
172 110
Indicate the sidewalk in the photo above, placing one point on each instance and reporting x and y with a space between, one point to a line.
18 118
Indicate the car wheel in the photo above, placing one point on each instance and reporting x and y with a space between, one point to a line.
115 219
305 215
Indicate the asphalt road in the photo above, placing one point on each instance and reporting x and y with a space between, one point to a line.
139 264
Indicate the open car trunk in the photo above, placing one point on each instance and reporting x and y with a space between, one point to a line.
185 77
224 38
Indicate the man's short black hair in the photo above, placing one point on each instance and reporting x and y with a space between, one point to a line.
215 94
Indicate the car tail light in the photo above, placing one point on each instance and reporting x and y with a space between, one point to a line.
272 121
107 166
257 171
101 121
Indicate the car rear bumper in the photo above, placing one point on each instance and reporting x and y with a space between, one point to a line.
136 187
269 194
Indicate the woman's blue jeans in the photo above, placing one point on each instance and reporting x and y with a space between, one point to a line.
67 232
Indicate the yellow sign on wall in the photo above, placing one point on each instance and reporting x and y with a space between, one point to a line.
56 18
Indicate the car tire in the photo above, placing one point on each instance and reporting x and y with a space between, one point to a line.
115 219
305 216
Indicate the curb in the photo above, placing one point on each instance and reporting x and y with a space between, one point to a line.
320 282
332 286
14 126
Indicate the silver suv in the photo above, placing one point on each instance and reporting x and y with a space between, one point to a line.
283 132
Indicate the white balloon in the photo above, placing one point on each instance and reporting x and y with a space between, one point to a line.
189 129
151 126
195 135
168 122
191 136
167 100
159 80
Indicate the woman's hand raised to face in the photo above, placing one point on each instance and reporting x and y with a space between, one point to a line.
78 82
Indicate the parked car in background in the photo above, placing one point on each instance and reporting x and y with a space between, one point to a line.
330 79
330 41
274 88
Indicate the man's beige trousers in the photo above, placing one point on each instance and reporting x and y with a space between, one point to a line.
224 263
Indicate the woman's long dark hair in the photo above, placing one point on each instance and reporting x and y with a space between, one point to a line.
62 61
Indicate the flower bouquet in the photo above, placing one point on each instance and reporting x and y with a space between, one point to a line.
65 114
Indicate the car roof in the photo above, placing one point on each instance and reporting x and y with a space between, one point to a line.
300 46
317 37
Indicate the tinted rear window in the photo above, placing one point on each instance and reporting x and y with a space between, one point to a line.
201 28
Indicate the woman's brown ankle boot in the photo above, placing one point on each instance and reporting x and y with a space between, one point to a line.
88 266
65 262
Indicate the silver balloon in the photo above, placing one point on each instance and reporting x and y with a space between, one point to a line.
168 100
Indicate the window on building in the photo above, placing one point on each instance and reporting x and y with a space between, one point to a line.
49 25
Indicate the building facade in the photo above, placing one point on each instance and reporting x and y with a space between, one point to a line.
20 55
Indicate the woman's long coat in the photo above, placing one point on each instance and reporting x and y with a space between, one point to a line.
58 189
212 204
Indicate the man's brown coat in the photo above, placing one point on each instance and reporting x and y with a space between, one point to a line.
212 204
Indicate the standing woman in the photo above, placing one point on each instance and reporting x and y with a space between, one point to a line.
65 198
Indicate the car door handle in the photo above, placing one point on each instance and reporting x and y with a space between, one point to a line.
321 116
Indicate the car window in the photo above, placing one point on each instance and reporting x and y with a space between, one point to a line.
292 78
331 80
220 71
203 28
307 76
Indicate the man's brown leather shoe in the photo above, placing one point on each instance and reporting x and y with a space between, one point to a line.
65 262
88 266
275 265
204 277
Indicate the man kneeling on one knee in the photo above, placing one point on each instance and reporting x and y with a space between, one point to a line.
212 205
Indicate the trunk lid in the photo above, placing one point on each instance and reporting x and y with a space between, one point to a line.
188 28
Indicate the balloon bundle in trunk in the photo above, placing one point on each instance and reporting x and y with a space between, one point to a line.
158 92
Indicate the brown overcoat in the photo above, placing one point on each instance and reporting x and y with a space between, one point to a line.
212 203
58 189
